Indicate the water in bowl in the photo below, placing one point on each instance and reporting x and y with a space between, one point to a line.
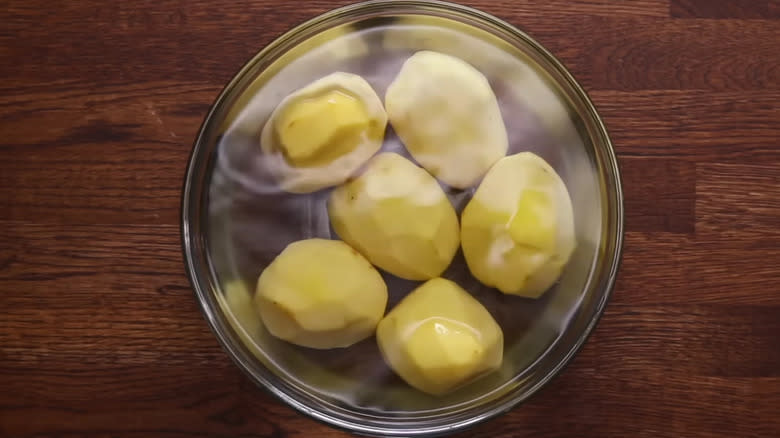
251 220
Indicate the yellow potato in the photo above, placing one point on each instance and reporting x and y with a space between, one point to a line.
440 338
447 116
321 134
398 217
239 301
518 230
322 294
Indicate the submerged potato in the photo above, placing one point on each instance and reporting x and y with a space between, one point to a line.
518 230
321 134
397 216
320 293
439 338
446 114
239 300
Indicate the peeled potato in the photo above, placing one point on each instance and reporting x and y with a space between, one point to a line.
440 338
398 217
239 301
447 116
518 230
322 294
321 134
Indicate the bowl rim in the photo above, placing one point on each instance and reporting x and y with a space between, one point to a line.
191 239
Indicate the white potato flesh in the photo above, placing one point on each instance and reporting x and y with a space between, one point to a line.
447 116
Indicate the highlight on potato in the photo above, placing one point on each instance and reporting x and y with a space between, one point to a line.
439 338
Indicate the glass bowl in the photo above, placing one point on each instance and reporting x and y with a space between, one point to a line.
235 220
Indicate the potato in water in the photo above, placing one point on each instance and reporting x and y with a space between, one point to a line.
440 338
397 215
518 230
321 134
322 294
447 116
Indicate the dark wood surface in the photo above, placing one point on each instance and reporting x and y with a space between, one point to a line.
100 334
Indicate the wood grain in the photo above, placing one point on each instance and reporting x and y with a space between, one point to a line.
693 125
730 9
660 194
101 335
118 152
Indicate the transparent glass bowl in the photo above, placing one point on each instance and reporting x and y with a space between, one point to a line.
235 220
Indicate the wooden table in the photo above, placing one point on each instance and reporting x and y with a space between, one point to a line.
101 336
